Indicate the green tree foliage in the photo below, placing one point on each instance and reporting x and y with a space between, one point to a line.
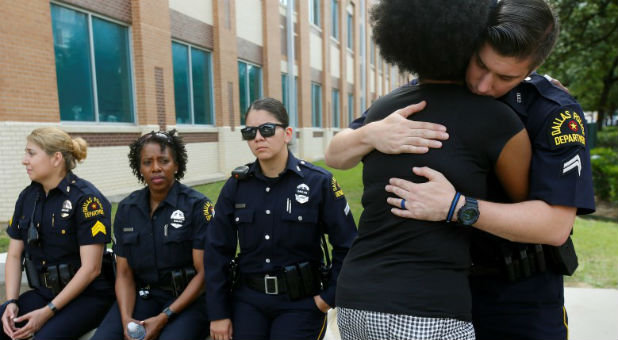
586 56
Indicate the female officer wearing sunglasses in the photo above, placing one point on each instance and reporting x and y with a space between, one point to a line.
277 208
60 226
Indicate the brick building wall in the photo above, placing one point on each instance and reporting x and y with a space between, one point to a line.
29 90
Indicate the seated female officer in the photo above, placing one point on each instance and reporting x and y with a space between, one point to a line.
60 226
159 232
278 208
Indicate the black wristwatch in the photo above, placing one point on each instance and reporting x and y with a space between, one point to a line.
469 213
169 313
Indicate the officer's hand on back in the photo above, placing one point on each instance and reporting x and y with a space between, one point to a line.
396 134
221 329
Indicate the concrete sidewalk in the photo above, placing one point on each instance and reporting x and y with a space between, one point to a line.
593 314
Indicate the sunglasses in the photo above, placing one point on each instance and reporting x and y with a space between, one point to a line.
266 130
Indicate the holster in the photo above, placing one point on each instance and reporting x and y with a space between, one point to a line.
108 266
301 280
562 259
32 274
180 279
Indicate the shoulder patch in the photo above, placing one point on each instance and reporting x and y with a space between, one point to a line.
336 188
566 129
98 228
209 210
92 207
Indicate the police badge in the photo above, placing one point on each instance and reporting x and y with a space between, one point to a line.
66 209
302 193
177 219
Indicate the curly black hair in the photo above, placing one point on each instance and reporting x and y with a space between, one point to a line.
434 39
164 139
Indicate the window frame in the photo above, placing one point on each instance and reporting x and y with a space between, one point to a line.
334 30
336 108
316 113
247 90
350 27
190 74
95 91
314 16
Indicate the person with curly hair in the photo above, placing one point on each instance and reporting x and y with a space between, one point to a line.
406 278
520 251
59 230
160 233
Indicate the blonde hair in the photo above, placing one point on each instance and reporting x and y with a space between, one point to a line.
53 140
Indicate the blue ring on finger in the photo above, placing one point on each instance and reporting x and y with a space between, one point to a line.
403 204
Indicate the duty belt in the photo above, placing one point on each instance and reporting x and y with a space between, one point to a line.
271 284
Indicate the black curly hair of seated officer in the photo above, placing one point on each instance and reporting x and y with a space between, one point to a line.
434 39
171 140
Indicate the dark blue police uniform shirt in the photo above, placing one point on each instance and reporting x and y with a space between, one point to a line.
560 171
155 246
277 222
73 214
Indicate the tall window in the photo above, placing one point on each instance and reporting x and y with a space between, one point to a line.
249 86
336 108
334 13
284 92
192 85
351 27
350 107
314 12
93 74
316 105
372 52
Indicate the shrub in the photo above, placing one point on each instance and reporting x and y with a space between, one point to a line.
605 173
608 138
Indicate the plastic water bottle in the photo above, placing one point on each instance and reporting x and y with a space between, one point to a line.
136 330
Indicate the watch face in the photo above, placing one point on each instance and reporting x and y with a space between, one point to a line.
469 215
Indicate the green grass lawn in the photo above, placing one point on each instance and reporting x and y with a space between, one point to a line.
596 241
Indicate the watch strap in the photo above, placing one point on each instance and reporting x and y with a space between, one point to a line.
168 312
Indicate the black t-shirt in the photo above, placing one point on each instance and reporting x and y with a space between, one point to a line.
406 266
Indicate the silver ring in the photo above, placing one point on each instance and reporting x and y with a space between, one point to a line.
403 204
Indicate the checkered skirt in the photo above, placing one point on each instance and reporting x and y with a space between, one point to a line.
357 324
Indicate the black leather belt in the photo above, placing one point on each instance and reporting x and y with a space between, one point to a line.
271 284
480 271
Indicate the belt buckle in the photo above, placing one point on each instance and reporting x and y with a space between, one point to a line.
275 283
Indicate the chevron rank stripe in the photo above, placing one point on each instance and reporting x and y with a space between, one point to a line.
98 228
571 164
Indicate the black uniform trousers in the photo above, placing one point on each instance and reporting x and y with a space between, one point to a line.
190 323
499 309
261 316
75 319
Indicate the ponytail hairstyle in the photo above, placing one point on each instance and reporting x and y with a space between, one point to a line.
52 140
